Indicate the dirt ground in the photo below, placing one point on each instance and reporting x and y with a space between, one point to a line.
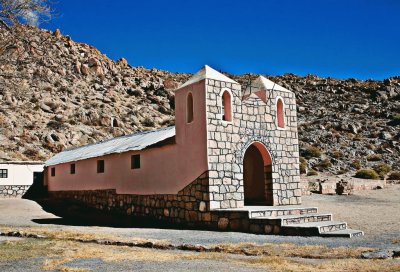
375 212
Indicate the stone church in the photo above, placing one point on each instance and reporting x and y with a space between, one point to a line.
230 163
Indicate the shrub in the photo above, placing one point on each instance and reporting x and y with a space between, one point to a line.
55 125
312 152
382 169
303 165
31 153
394 175
367 174
342 171
324 164
148 122
395 121
337 154
370 146
312 172
374 157
313 186
356 164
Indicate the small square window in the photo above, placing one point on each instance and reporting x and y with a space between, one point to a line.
3 173
100 166
73 168
53 171
135 161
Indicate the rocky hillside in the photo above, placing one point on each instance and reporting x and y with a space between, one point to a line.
354 123
56 93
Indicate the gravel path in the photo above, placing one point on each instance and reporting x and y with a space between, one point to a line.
97 264
376 212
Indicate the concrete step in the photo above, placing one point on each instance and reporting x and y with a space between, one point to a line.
281 211
313 228
298 219
347 233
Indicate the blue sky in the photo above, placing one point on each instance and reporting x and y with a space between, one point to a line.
342 39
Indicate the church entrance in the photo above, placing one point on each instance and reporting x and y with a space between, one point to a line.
257 175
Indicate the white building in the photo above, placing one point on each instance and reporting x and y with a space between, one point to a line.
17 176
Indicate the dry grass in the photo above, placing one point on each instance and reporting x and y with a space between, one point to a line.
16 250
292 250
268 249
285 264
55 233
58 253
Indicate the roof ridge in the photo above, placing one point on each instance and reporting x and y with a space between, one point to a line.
209 73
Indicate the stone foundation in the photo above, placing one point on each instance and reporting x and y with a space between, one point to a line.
190 207
13 191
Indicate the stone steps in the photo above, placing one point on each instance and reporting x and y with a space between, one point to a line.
347 233
320 227
275 212
297 221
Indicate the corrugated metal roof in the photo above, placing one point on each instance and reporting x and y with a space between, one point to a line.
137 141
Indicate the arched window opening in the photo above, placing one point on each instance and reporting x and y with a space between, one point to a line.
226 106
280 114
189 109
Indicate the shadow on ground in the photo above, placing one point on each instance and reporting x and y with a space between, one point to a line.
73 213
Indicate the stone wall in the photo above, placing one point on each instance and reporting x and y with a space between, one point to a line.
253 121
190 207
13 191
334 185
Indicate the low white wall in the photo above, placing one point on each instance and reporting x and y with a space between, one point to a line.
19 173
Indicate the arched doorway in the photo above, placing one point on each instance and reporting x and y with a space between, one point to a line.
257 175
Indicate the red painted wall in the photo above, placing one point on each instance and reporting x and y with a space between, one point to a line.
164 170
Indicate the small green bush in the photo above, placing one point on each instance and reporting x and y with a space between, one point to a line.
382 169
303 165
394 175
312 152
312 172
367 174
395 121
374 157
